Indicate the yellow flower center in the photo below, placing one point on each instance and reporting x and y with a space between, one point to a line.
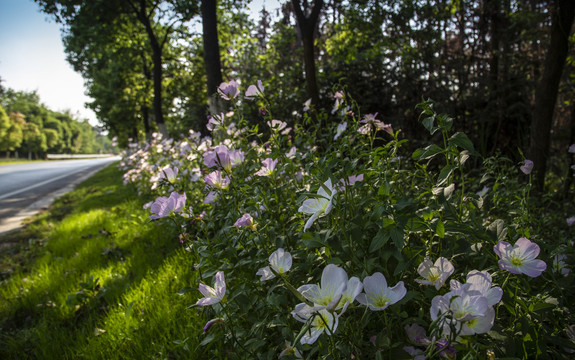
516 261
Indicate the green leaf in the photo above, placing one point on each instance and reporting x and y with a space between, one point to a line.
428 124
380 239
498 229
440 229
181 292
397 237
384 189
427 153
445 174
461 140
208 339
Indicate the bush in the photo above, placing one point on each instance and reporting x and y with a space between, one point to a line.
413 255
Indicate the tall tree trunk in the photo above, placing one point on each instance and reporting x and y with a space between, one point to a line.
157 69
307 25
212 60
563 12
145 107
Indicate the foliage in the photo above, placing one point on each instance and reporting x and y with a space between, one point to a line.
390 211
35 129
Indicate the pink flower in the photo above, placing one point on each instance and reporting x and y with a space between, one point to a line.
229 91
223 157
306 105
215 180
570 221
210 323
213 295
211 197
527 167
520 258
215 121
163 206
245 221
253 91
340 129
268 167
370 121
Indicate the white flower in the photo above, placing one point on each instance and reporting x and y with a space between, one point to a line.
213 295
354 287
321 320
340 129
320 205
290 350
465 309
480 282
377 295
435 274
280 261
333 284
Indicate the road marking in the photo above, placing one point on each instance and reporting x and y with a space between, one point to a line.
39 184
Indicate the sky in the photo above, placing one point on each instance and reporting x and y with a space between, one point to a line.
32 57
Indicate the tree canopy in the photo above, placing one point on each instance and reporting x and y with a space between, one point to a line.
481 61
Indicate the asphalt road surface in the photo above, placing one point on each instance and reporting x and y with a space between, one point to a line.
26 188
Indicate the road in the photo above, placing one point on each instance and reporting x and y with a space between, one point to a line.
26 188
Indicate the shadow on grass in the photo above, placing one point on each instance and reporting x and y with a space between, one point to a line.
88 232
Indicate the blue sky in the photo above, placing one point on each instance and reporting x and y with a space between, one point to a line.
32 57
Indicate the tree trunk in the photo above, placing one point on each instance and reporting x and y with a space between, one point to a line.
307 25
157 69
546 93
212 60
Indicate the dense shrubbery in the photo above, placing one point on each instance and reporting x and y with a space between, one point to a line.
414 255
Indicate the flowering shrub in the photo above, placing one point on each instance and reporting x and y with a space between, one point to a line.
336 242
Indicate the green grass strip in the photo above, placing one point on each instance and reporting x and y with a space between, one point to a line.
98 230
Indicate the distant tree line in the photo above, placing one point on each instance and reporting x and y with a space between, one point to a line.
503 69
29 129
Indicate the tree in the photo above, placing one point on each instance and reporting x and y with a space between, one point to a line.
34 141
13 138
307 25
563 12
4 122
212 60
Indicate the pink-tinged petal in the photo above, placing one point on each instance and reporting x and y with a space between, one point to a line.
506 265
479 325
529 249
207 301
501 248
445 267
310 221
480 280
206 290
454 285
333 275
310 291
220 281
311 336
361 298
439 305
494 295
265 273
397 293
374 283
534 268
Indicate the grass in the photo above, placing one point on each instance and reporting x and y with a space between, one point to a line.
134 312
13 161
